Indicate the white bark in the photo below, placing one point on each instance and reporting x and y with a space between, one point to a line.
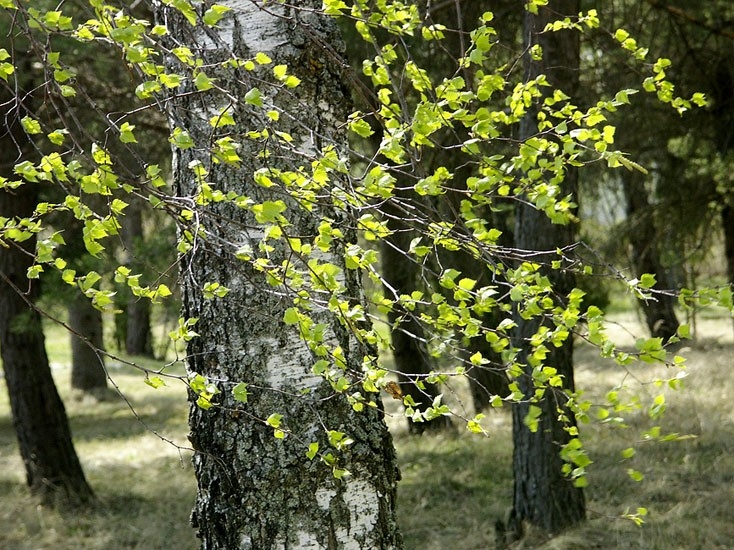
256 491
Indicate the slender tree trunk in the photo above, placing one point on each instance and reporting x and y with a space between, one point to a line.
487 380
659 310
257 491
543 496
88 371
409 348
52 468
137 333
723 124
727 221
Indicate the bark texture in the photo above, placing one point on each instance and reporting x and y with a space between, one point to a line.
53 471
542 495
727 221
257 491
659 310
88 371
723 123
136 329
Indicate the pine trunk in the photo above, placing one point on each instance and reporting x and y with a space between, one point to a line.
660 309
257 491
137 333
490 379
409 347
53 471
88 371
543 496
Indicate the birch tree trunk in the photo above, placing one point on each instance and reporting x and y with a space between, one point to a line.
257 491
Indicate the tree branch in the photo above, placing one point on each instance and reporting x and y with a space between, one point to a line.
687 17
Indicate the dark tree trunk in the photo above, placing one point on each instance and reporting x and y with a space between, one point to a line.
257 491
489 380
543 496
727 220
53 471
409 348
138 340
136 328
88 371
723 123
52 468
659 310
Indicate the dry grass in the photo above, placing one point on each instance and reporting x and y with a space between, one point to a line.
454 486
145 486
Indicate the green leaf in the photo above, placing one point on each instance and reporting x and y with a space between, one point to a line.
213 15
240 392
203 403
31 125
224 118
34 271
291 316
647 280
186 9
339 440
269 211
262 59
254 97
203 82
274 420
313 449
360 126
155 382
635 475
181 139
531 420
57 137
126 133
474 426
334 7
163 291
170 80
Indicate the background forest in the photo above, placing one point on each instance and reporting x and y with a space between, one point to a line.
508 225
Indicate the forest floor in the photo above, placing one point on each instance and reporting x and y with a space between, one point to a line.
455 486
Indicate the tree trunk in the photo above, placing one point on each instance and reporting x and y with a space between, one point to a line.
137 333
543 496
727 221
53 471
487 380
723 124
409 348
88 371
660 309
257 490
